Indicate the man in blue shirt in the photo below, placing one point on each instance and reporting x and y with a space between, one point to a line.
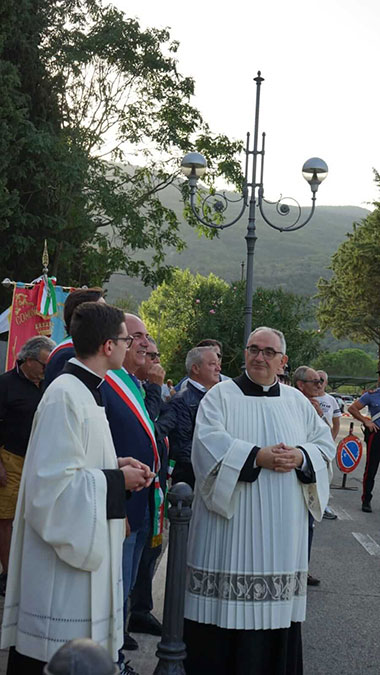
372 437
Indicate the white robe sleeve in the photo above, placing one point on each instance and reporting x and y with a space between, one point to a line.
65 503
217 458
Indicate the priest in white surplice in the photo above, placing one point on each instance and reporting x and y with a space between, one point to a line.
261 457
65 567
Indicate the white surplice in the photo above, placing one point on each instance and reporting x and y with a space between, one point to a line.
64 576
247 554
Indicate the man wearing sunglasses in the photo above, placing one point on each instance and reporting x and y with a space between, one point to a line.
310 383
141 619
20 393
260 456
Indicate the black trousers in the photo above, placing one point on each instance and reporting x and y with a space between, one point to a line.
371 465
140 599
220 651
18 664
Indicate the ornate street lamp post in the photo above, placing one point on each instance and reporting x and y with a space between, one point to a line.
194 166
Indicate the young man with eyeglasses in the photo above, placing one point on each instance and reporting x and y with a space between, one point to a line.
20 393
260 456
65 564
65 349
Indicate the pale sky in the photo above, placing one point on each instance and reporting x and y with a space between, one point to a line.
320 61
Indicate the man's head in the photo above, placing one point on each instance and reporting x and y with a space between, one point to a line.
265 355
202 365
33 357
76 298
136 355
324 380
99 330
215 344
308 381
152 357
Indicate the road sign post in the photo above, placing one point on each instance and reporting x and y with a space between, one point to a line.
348 455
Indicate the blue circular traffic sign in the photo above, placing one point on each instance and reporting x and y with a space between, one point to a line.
349 453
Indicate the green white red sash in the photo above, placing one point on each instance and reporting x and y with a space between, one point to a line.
46 299
67 342
123 384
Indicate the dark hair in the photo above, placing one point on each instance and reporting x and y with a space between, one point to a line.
92 324
209 342
76 298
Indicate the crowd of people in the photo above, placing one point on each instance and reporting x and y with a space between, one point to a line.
90 432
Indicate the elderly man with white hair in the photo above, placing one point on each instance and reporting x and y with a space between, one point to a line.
261 458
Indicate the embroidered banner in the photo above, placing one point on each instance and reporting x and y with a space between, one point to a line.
25 322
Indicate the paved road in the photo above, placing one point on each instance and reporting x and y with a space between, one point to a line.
341 632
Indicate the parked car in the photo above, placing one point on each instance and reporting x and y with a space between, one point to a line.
339 401
347 399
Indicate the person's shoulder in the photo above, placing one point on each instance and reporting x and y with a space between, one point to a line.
67 387
8 376
292 393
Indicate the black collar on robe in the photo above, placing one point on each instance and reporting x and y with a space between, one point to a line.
91 380
250 388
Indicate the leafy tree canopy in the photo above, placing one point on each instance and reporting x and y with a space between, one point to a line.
350 300
353 362
189 308
86 96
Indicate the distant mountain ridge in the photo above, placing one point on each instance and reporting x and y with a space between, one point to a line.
293 261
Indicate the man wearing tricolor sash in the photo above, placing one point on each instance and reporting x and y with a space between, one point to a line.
141 619
133 433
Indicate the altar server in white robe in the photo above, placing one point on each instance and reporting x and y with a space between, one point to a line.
261 458
65 566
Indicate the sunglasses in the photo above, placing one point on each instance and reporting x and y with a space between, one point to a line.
41 364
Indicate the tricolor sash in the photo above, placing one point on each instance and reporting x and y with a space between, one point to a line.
68 342
124 386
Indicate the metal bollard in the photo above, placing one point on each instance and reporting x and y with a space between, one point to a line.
171 651
81 657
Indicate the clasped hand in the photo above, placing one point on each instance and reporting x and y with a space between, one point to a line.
136 474
281 458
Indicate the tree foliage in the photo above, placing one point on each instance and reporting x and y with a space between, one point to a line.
189 308
350 300
90 101
352 362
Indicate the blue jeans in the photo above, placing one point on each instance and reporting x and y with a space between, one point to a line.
133 547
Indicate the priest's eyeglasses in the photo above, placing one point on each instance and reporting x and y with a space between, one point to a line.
267 352
128 340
